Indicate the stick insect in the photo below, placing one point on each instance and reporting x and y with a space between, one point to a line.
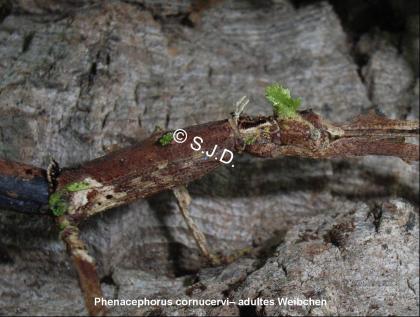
71 195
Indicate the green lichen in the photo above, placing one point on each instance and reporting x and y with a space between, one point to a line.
166 139
58 201
62 226
58 204
284 106
77 186
250 140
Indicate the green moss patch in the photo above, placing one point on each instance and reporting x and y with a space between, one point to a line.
58 201
58 204
284 106
166 139
77 186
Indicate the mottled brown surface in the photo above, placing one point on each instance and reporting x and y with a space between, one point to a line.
143 159
20 170
150 167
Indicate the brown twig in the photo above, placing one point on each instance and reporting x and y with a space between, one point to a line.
147 168
85 266
184 200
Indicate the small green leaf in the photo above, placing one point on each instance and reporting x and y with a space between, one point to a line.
284 106
166 139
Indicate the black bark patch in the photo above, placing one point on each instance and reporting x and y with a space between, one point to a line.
411 222
5 9
27 40
247 310
92 74
5 258
376 212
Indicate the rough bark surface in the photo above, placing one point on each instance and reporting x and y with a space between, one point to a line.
79 78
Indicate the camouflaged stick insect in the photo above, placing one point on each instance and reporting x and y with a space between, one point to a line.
152 166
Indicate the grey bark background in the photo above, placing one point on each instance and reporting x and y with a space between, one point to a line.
78 78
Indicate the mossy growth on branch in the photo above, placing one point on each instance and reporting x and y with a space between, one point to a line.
58 201
58 204
166 139
250 140
284 106
77 186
